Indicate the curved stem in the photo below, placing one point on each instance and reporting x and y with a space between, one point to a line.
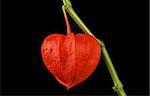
118 87
66 20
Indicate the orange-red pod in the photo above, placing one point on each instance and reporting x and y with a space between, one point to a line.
70 58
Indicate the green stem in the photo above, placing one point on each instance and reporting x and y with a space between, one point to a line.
118 87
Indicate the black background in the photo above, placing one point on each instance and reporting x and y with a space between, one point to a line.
121 24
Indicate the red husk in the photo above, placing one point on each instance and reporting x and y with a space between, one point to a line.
70 58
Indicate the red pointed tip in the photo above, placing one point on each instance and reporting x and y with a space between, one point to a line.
68 88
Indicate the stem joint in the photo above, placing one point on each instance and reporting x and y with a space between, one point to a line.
67 4
117 88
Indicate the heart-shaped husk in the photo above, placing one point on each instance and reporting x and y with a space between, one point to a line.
70 58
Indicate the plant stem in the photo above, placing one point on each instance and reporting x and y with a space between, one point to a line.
117 83
118 87
66 20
